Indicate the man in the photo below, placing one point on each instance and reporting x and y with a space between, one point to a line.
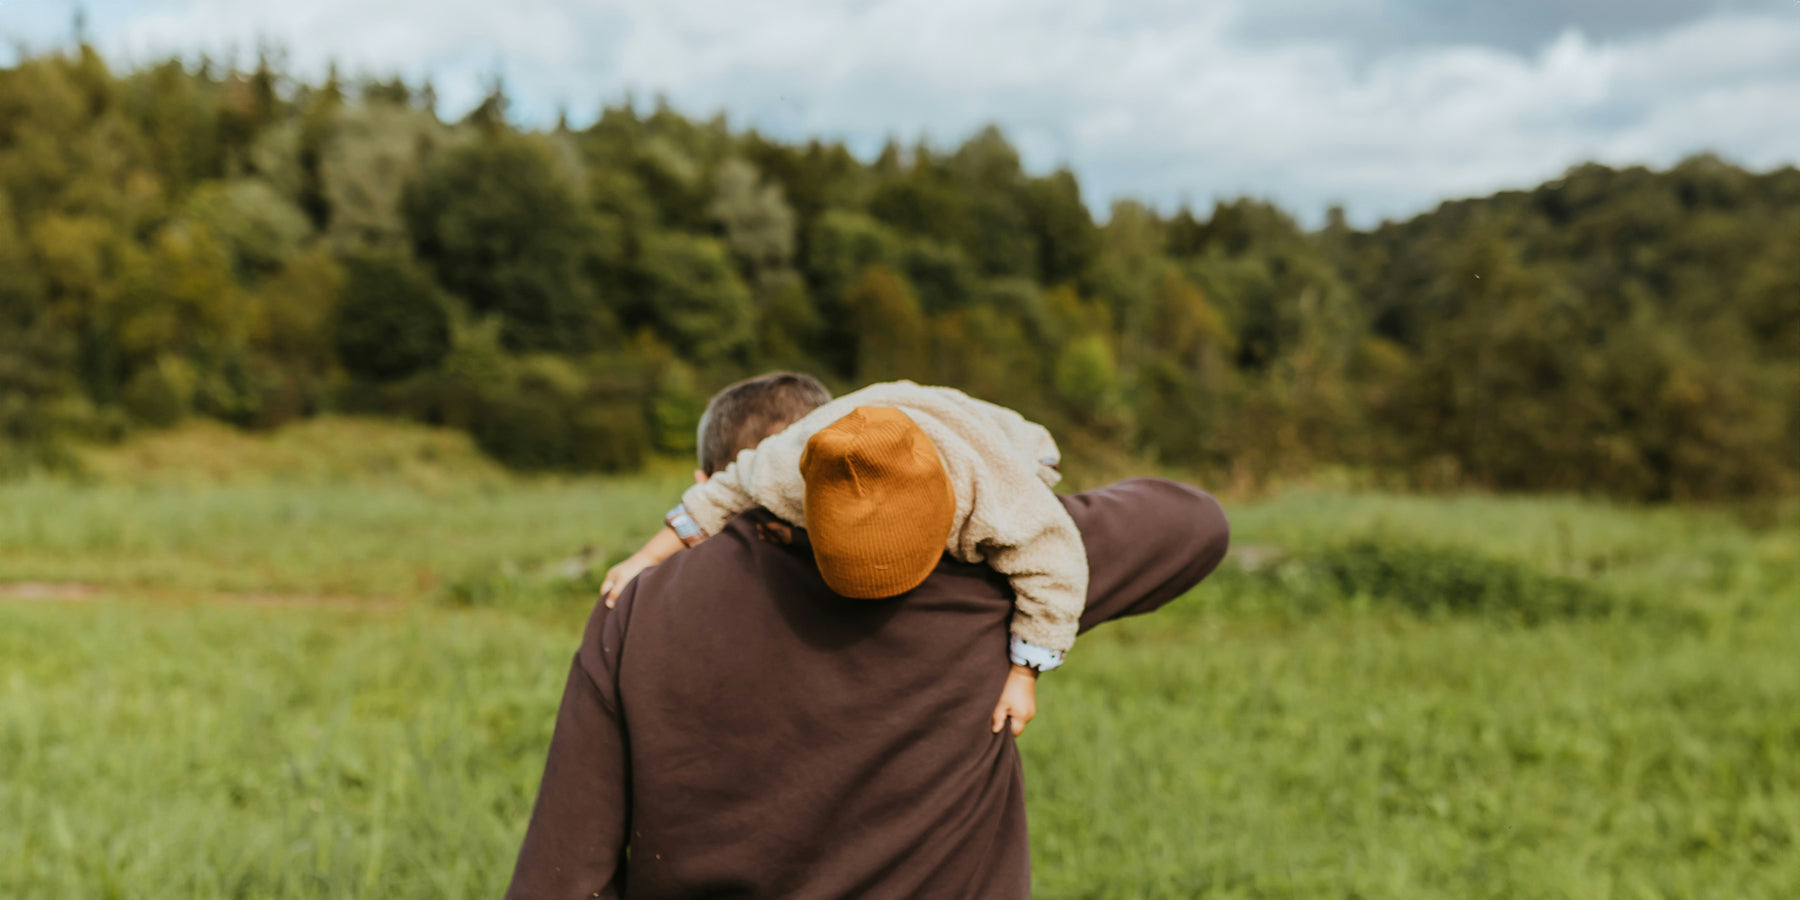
718 734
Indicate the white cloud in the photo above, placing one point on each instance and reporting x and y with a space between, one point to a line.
1164 103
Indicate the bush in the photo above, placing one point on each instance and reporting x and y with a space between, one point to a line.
1435 580
161 394
524 431
610 437
1419 579
549 414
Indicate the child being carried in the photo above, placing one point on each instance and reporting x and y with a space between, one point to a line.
886 480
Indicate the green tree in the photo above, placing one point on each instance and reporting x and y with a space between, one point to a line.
299 305
695 298
1067 240
181 316
393 320
371 153
1000 239
759 226
41 404
788 324
258 227
506 231
843 246
1087 375
942 276
892 341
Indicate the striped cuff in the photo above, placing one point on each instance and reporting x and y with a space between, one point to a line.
1031 656
685 527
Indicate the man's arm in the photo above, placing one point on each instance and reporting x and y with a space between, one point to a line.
1148 541
575 844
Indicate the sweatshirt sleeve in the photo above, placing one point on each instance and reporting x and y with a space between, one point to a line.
1148 541
575 844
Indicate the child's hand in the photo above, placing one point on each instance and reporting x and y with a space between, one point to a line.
620 575
664 545
1018 700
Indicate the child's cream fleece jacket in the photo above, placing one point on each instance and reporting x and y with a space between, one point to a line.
1001 467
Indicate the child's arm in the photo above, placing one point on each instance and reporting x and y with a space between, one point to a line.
766 476
1027 535
1048 597
1048 572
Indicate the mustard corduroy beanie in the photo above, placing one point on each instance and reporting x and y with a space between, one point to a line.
879 505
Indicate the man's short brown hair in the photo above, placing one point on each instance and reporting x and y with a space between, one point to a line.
740 416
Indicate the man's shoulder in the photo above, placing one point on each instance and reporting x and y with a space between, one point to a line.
747 582
733 554
727 567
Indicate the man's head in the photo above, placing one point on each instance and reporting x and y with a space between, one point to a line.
740 416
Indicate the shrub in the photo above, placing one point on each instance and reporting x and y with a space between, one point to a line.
1423 580
552 415
161 394
1433 580
524 430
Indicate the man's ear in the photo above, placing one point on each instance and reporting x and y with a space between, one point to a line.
699 476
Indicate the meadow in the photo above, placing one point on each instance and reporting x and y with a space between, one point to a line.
325 664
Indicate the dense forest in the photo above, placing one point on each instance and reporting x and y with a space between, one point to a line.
186 239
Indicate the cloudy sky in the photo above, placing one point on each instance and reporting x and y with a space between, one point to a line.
1384 106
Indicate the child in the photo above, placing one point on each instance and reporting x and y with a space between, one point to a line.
889 478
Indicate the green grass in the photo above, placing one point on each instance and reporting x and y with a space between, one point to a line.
330 507
360 540
212 751
1376 756
1319 725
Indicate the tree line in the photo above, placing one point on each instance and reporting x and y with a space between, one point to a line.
189 239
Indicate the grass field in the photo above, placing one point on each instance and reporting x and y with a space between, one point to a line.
288 678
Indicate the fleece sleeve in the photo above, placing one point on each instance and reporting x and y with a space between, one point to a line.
1030 440
1026 535
767 476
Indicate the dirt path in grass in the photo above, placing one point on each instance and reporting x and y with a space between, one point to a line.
47 590
78 591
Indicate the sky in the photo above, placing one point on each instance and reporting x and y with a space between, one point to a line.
1385 107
